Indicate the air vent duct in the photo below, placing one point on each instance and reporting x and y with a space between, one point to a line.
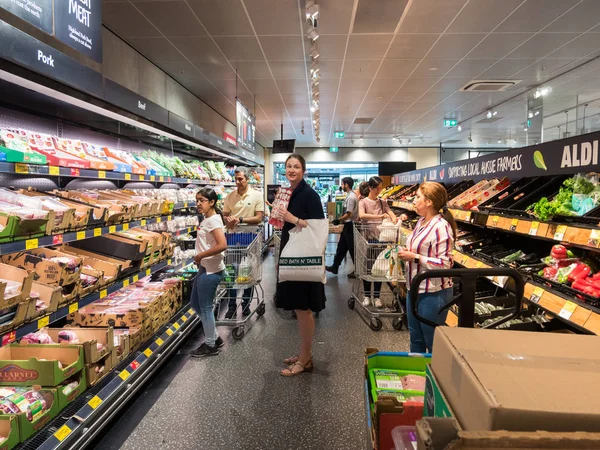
489 85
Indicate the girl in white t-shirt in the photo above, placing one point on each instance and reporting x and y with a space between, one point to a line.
210 248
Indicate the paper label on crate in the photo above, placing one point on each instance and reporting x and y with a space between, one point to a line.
183 319
147 352
191 311
95 402
567 310
43 322
161 179
124 375
468 216
559 235
135 278
31 244
57 239
387 380
73 307
536 295
9 338
148 272
143 223
594 240
534 228
479 265
513 224
126 282
62 433
53 170
128 176
169 218
80 235
97 232
21 168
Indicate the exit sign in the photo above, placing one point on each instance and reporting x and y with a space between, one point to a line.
333 149
339 134
450 123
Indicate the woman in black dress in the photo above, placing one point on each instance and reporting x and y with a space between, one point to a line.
303 297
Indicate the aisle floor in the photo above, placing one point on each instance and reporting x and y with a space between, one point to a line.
238 400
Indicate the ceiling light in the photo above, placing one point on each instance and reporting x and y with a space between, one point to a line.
525 129
536 113
489 115
494 113
314 67
314 52
409 141
545 90
459 128
312 10
312 109
312 34
530 115
499 141
433 69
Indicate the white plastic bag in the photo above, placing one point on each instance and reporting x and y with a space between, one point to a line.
246 269
388 231
303 257
381 266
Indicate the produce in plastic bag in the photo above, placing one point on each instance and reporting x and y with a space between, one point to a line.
13 288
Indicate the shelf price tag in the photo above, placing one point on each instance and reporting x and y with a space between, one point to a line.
62 433
31 244
143 223
135 278
152 178
176 326
169 262
191 311
534 228
21 168
479 265
142 178
185 205
95 402
158 219
73 307
169 218
80 235
513 224
126 282
148 272
594 240
495 220
112 229
536 295
147 352
53 170
43 322
169 332
124 375
97 232
559 235
101 174
103 293
128 176
125 226
159 342
567 310
468 216
183 319
161 179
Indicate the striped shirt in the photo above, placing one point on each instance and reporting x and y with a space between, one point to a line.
434 243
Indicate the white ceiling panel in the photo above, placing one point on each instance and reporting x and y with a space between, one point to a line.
282 48
535 15
269 17
417 85
331 47
335 16
409 46
397 68
455 45
434 68
288 69
385 87
505 68
470 68
470 20
584 16
367 46
360 68
240 48
261 86
293 86
157 50
251 69
199 49
380 19
542 44
430 16
126 21
227 18
583 45
355 84
172 18
216 70
498 45
330 69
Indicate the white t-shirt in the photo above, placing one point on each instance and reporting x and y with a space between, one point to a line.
205 241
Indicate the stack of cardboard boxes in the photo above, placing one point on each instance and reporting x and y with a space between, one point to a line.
15 299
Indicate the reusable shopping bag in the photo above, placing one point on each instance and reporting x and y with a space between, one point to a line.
303 257
386 264
388 231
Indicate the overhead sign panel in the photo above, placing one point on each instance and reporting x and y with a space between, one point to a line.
78 23
246 128
36 12
450 123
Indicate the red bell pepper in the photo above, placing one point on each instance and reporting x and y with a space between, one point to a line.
559 252
550 273
580 272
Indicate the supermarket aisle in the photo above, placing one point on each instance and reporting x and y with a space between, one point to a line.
238 400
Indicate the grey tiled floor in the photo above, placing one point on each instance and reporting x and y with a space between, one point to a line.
238 400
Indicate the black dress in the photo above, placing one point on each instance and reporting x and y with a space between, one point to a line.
305 203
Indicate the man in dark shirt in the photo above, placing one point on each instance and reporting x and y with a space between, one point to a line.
346 243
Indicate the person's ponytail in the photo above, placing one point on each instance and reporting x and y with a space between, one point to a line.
446 214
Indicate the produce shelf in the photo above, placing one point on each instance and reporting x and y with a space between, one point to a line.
77 426
55 171
58 239
64 311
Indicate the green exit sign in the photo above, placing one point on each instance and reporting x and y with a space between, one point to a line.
450 123
339 134
333 149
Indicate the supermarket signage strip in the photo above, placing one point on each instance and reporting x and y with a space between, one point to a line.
58 239
36 169
64 311
569 234
570 310
82 418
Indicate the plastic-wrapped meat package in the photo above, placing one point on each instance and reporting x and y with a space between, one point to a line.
413 383
68 336
87 280
37 338
70 387
8 407
8 196
31 403
65 261
13 288
6 392
40 305
23 213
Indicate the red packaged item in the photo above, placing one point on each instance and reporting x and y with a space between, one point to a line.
280 204
44 144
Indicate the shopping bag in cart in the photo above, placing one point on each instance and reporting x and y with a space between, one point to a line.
386 264
388 231
303 257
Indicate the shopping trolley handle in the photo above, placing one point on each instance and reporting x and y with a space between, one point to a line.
466 301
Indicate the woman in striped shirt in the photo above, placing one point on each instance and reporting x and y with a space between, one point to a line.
429 247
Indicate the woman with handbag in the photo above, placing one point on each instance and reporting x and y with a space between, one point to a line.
372 211
304 297
429 247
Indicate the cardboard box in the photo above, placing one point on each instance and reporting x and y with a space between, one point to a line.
115 246
123 265
519 381
25 427
445 434
113 213
9 429
106 316
50 295
32 364
56 223
45 271
387 412
21 276
88 338
436 404
109 361
65 394
99 275
129 340
15 315
94 214
110 270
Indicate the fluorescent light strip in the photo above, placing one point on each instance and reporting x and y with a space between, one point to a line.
23 82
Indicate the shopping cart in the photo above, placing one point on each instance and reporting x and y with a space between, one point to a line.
276 247
378 262
243 270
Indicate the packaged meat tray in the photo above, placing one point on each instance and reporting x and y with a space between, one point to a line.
75 148
126 158
44 144
16 148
